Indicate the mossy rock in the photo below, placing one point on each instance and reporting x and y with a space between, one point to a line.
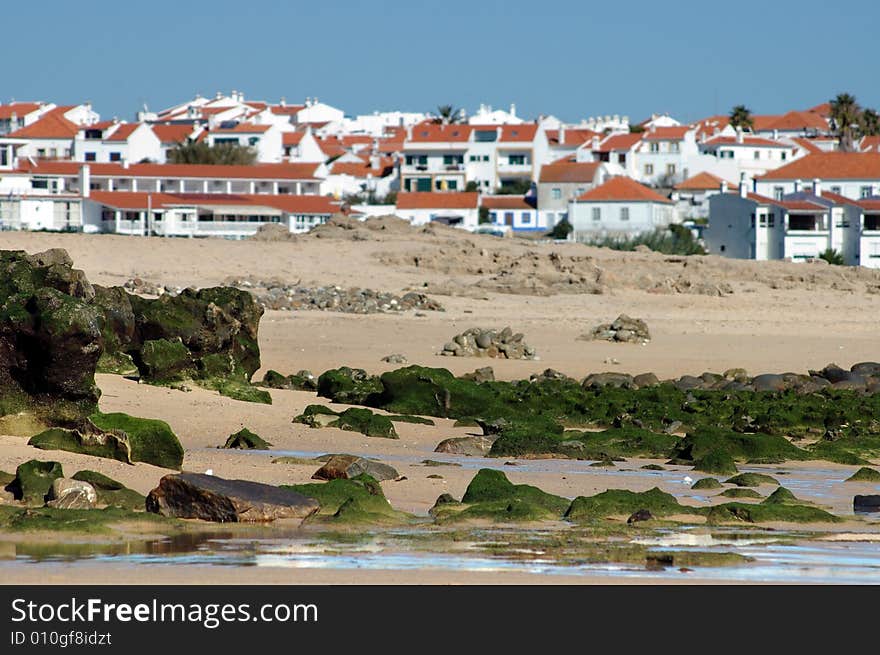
237 389
244 439
405 418
466 423
718 462
622 502
296 382
865 474
110 445
491 496
110 492
116 364
752 480
357 500
349 385
768 512
740 492
781 496
706 483
152 441
653 467
356 419
163 360
76 521
33 480
739 446
839 453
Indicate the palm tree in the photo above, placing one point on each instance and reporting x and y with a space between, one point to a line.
845 118
741 116
448 115
199 152
870 123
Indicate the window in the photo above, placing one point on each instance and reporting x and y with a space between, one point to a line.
762 220
91 156
508 218
624 213
835 189
556 193
673 146
526 218
485 136
752 221
452 185
41 153
115 156
580 191
865 192
771 219
474 158
670 169
597 213
649 169
517 160
778 192
784 155
485 157
493 217
452 160
757 154
254 140
655 147
621 158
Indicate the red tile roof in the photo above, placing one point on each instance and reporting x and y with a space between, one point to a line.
572 136
675 133
870 144
286 110
20 109
433 133
283 202
122 132
51 125
807 144
172 133
292 138
617 142
622 189
570 172
792 121
285 171
701 182
830 166
242 128
518 133
438 200
710 126
505 202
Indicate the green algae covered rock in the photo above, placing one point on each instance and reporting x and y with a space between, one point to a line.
491 496
740 446
111 445
768 512
781 496
356 500
33 480
706 483
354 419
751 480
110 492
865 474
302 381
164 360
622 502
348 385
151 440
244 439
740 492
718 462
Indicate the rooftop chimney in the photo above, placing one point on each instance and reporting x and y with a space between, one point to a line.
724 188
744 187
817 187
513 109
797 186
562 134
739 134
595 142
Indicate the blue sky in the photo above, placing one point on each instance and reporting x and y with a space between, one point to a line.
570 58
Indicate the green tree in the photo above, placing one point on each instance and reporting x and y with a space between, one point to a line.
448 115
471 186
561 230
515 188
832 257
741 116
869 125
199 152
845 119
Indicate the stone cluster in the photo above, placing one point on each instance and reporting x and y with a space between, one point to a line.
480 342
623 329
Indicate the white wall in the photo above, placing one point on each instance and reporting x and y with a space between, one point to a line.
643 217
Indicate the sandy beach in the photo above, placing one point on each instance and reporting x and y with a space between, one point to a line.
774 317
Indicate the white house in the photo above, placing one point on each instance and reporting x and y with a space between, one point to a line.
266 140
691 197
352 175
796 227
562 181
16 115
853 175
51 136
117 142
513 213
621 207
751 155
456 209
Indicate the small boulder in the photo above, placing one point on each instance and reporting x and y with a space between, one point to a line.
72 494
244 439
471 446
395 358
347 467
210 498
484 374
33 481
640 515
866 504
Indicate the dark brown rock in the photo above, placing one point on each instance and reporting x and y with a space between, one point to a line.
346 467
206 497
